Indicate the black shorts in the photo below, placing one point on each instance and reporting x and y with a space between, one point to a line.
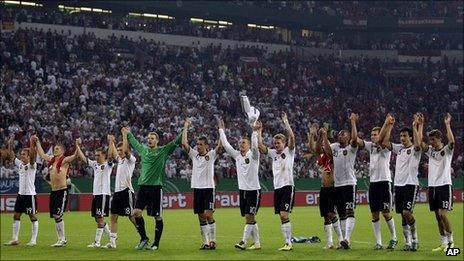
284 199
100 205
249 202
441 197
58 202
405 197
380 196
152 198
122 203
345 199
327 201
203 199
26 204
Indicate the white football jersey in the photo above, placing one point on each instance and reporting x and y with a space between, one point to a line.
247 165
439 166
202 169
26 177
282 167
379 162
124 172
407 165
101 177
343 160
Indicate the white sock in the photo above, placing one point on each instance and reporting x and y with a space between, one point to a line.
391 228
106 229
377 233
212 232
338 231
60 230
407 234
328 233
349 227
98 235
449 237
444 239
343 227
113 237
287 232
204 229
35 230
16 226
247 232
414 232
255 234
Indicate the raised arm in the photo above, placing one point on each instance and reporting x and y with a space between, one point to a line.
133 141
417 138
40 150
112 150
125 145
311 136
449 132
32 150
254 144
385 132
291 135
185 144
261 146
227 147
420 131
79 152
10 152
325 141
355 140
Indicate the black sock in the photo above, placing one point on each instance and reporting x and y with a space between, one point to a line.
158 232
141 228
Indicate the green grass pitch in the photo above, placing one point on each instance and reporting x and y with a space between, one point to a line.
181 237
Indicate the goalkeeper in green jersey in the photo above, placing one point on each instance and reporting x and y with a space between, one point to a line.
151 180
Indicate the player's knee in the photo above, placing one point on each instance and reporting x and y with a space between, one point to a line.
283 216
375 215
443 213
57 218
137 213
349 213
114 218
16 216
32 217
386 215
407 214
158 218
327 220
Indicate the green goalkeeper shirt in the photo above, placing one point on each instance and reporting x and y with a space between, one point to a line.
153 160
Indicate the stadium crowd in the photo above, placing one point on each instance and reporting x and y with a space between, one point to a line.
364 9
63 87
370 41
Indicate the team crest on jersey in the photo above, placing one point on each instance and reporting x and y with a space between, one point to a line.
442 153
345 152
206 157
408 151
25 167
283 155
247 160
102 167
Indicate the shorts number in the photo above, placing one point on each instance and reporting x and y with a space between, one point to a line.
98 211
409 205
58 211
445 204
252 210
287 207
128 211
211 205
29 210
386 205
349 205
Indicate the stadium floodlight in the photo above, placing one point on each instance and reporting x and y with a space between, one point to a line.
21 3
135 14
196 20
225 23
165 17
251 25
12 2
86 9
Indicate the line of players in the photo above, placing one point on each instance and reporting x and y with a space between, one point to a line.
337 195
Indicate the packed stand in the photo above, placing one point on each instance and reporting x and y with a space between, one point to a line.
64 87
371 41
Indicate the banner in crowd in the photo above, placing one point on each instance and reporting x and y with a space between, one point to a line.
409 23
83 202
